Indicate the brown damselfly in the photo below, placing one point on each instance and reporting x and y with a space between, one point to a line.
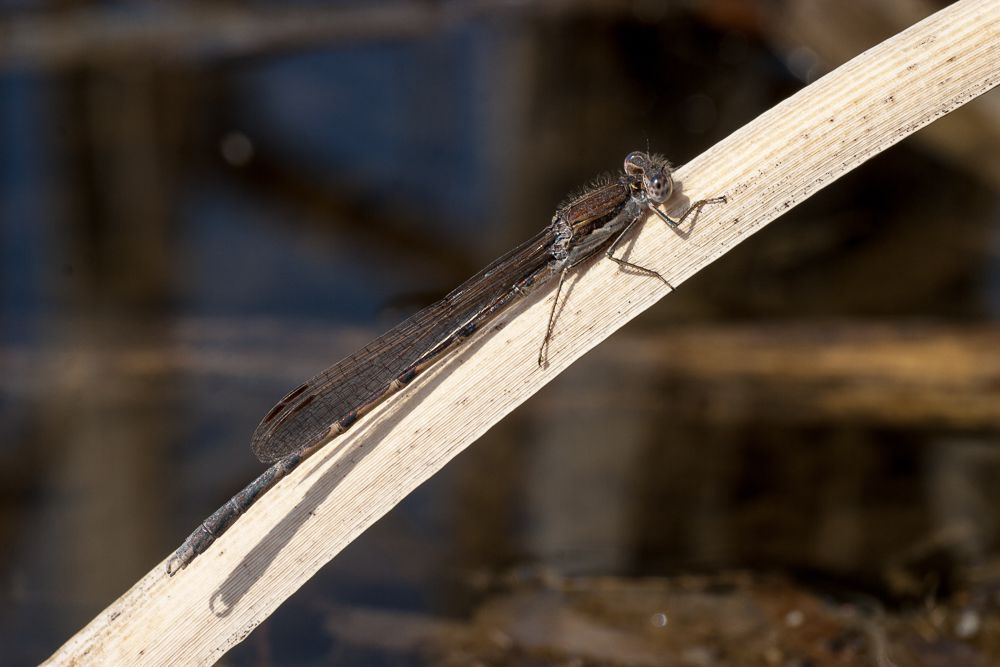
594 222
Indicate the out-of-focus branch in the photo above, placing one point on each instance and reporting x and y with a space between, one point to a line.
902 374
877 374
162 31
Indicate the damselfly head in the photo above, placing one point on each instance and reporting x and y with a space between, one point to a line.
654 173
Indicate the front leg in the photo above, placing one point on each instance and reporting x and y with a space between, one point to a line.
696 206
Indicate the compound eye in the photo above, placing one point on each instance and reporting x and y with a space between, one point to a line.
659 188
634 162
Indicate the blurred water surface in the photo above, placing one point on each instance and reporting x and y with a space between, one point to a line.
203 205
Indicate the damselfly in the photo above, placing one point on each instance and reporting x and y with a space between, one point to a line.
312 414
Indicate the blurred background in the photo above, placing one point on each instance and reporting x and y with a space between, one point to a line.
203 204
